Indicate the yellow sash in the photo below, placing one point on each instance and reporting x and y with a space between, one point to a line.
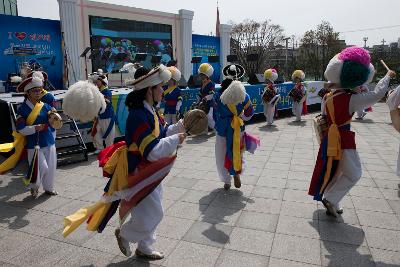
118 166
169 90
19 141
334 148
236 123
43 93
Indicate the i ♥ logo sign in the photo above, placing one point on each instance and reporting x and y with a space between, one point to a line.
20 35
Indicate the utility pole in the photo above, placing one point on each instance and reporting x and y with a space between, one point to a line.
286 56
365 39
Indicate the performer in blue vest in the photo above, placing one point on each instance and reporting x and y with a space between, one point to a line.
172 97
233 106
149 139
46 97
207 90
104 125
33 123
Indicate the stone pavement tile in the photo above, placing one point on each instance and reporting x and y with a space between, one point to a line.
339 254
208 186
379 220
173 227
307 162
13 217
173 193
182 182
43 224
341 232
15 243
186 210
382 238
92 196
385 258
371 204
77 237
216 235
230 258
258 221
387 184
295 248
271 182
86 257
192 174
191 254
105 242
233 200
395 205
251 241
366 182
42 203
277 154
298 185
263 205
249 179
391 194
200 197
363 191
253 171
267 192
303 176
47 253
349 216
377 167
221 215
277 166
73 191
301 168
244 190
284 160
387 175
166 203
269 173
298 227
274 262
70 207
297 209
297 196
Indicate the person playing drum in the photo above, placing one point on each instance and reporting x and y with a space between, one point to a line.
298 93
33 123
172 97
270 96
207 90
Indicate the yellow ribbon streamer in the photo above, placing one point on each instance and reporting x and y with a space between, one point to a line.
19 141
169 89
236 123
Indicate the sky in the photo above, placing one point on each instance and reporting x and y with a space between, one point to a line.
296 17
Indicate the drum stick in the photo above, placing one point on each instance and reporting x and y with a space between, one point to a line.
384 64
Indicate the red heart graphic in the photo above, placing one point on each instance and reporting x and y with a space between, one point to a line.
20 35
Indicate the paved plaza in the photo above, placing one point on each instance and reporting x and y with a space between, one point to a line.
270 221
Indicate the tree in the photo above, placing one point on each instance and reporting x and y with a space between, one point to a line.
251 37
318 47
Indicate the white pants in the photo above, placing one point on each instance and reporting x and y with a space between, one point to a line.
102 126
348 173
211 122
47 162
170 118
269 112
297 109
220 152
143 221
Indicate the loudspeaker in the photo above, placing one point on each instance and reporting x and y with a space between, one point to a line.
182 83
194 81
212 59
232 58
256 79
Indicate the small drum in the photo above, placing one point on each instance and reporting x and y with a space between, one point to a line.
268 95
55 120
202 105
195 122
320 126
297 95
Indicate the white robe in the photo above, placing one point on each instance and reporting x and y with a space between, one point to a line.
145 217
349 170
297 107
102 126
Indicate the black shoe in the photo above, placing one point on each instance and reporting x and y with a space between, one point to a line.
34 192
340 211
329 208
51 193
227 186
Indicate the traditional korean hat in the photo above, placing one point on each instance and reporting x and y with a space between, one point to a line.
175 73
29 83
298 74
271 75
206 69
158 75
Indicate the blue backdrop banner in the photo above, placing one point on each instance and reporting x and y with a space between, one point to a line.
205 46
25 39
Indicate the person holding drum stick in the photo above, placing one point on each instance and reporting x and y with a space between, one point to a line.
270 96
298 94
338 166
33 123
